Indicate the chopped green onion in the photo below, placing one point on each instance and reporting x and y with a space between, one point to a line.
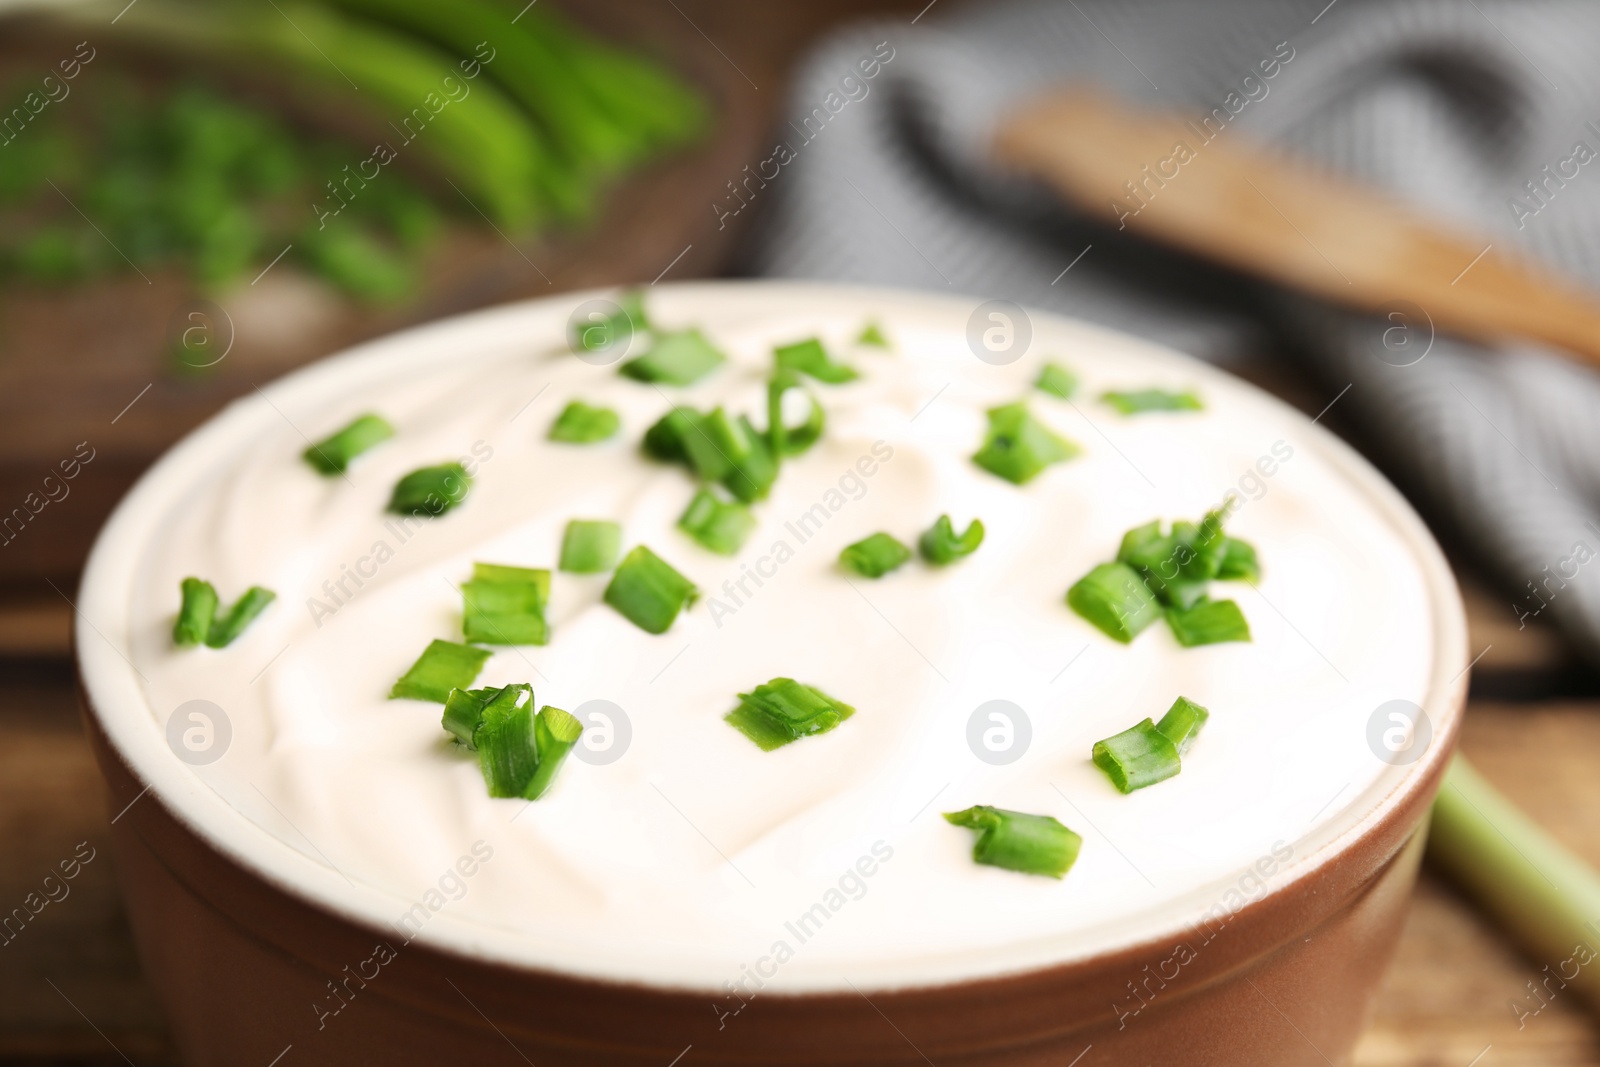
681 358
1018 446
664 439
1017 841
580 424
1133 402
784 710
781 439
648 591
718 448
463 713
872 334
755 467
718 525
940 545
1139 756
810 358
1182 722
590 546
504 605
431 490
332 455
443 666
1056 380
228 625
1239 561
613 329
508 755
875 556
1115 599
1176 566
195 614
1209 622
554 733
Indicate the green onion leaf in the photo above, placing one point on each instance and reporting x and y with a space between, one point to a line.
1182 722
227 626
648 591
613 331
195 614
332 455
681 358
1209 622
784 710
1178 565
875 556
940 545
755 468
508 755
717 448
1134 402
1017 841
718 525
504 605
664 439
1056 380
431 490
1239 561
443 666
781 439
1139 756
1115 599
590 546
1018 446
810 358
872 334
580 424
463 713
554 733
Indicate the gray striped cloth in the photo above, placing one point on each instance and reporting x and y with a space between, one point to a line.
1482 114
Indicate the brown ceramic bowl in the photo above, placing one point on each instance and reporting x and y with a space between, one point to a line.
242 938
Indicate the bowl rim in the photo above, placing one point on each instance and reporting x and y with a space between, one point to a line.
110 681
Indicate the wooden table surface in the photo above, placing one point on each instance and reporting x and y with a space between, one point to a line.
71 991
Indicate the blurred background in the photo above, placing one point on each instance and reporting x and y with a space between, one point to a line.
197 198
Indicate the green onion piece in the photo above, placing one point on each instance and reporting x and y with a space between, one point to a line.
755 468
580 424
1139 756
1239 561
875 556
664 439
681 358
195 614
332 455
718 525
1018 446
229 625
1056 380
504 605
508 755
431 490
781 439
784 710
443 666
463 713
1209 622
613 330
1017 841
1182 722
872 334
1115 599
810 358
1176 566
648 591
709 443
590 546
554 733
940 545
1133 402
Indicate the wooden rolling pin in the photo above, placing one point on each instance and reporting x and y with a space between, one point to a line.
1228 201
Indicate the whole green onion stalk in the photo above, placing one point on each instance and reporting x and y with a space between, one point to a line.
1535 888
